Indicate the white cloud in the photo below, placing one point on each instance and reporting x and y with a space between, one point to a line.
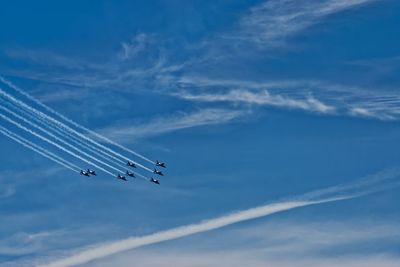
262 97
26 243
369 184
352 243
310 95
363 112
168 124
281 243
240 259
272 22
279 238
137 44
135 242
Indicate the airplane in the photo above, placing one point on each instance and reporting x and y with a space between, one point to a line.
91 172
158 172
131 164
131 174
85 173
121 177
154 181
160 164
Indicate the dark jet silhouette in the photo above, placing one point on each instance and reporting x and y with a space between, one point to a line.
154 181
85 173
91 172
131 174
158 172
131 164
121 177
160 164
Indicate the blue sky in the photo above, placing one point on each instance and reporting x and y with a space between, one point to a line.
248 102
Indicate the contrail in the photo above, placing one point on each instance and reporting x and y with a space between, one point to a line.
341 193
11 85
65 127
54 144
56 138
40 150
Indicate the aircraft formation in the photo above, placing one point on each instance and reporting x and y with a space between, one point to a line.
131 174
90 172
66 142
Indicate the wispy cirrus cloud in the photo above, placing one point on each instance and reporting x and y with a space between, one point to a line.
166 124
135 62
137 44
370 184
25 243
239 258
143 61
262 97
281 243
308 95
269 24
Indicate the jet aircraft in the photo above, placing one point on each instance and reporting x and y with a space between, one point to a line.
154 181
131 174
121 177
131 164
160 164
158 172
85 173
91 172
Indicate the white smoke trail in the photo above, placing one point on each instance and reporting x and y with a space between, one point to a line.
33 118
67 136
57 138
39 150
65 127
11 85
70 137
142 176
54 144
67 130
365 186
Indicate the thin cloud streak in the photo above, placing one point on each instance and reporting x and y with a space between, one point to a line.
135 242
260 98
268 25
239 258
366 186
277 242
280 243
271 23
172 123
314 96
